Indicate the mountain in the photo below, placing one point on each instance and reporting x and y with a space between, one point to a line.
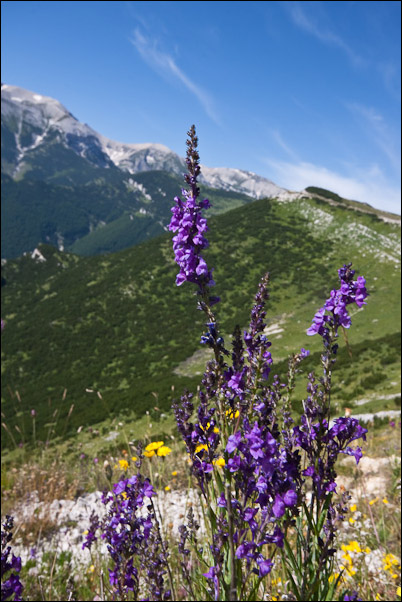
67 185
32 125
117 323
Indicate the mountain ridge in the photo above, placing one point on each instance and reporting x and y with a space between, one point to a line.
46 115
67 185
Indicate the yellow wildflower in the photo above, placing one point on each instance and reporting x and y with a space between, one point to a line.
385 501
389 561
149 454
216 430
86 532
398 591
230 413
91 568
350 571
219 462
352 521
353 546
373 501
167 488
164 450
353 508
123 464
154 445
200 447
174 473
134 459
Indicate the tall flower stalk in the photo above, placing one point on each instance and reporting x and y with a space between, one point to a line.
267 484
266 481
189 242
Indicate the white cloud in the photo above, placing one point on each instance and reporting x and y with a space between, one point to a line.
277 136
165 65
325 35
390 74
387 139
368 186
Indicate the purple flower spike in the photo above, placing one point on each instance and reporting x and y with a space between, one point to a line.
265 565
350 291
233 442
190 225
10 586
279 507
212 574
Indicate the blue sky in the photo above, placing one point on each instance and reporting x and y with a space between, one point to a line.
303 93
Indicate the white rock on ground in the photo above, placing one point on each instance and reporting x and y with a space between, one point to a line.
171 510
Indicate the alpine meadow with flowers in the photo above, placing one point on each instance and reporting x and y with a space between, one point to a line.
267 515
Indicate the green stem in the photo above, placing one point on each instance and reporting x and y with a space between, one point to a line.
232 559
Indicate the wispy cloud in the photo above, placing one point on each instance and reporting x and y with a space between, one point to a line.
277 136
319 31
368 185
374 124
165 65
390 74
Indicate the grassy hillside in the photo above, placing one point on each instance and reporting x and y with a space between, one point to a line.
118 324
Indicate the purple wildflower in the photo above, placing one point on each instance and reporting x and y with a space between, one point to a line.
349 292
265 565
263 477
190 225
131 532
233 442
352 597
10 585
213 575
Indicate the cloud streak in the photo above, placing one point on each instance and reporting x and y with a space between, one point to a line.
277 136
368 185
165 65
328 37
386 139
